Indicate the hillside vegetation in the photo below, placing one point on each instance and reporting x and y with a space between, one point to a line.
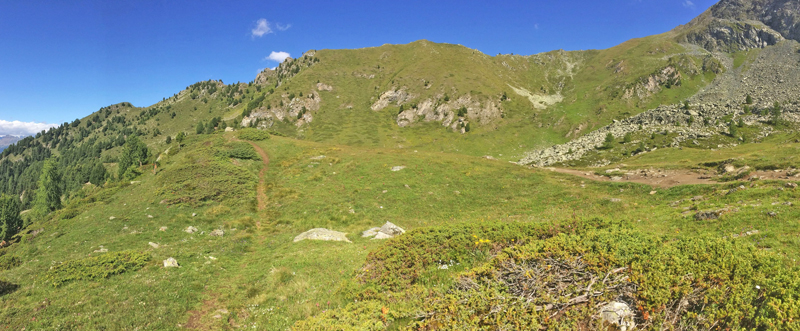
185 214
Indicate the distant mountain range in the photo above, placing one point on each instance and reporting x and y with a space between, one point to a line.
5 141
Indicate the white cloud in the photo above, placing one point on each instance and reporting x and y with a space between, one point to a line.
688 4
277 56
262 28
17 128
283 27
536 26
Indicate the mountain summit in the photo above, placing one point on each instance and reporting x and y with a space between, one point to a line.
732 25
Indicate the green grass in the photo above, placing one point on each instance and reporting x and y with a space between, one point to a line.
263 279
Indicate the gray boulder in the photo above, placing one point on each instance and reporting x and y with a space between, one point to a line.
370 232
388 230
618 314
171 263
322 234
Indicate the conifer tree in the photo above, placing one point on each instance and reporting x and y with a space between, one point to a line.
134 153
48 191
10 222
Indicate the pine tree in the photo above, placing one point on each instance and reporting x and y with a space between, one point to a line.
200 128
134 153
10 222
179 138
48 191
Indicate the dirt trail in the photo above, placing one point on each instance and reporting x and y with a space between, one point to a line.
670 178
262 181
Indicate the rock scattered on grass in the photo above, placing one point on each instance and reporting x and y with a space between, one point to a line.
618 314
707 215
163 228
101 250
791 185
149 216
154 245
216 233
388 230
653 192
191 229
322 234
371 232
398 168
112 218
171 263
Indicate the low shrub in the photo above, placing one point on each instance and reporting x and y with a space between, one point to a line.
97 267
8 261
253 134
698 283
242 150
405 260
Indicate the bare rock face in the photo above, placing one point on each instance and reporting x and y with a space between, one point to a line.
322 234
782 16
324 87
299 110
732 25
730 36
392 96
263 76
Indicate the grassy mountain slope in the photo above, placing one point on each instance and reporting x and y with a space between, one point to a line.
490 245
258 277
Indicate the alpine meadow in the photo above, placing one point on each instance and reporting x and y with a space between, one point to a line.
429 186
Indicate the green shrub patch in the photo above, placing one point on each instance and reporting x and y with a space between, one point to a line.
97 267
253 134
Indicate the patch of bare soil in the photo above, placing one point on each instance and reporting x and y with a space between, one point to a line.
670 178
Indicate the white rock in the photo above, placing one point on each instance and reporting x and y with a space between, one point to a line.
322 234
618 314
370 232
112 218
216 233
171 263
382 235
191 229
391 229
398 168
154 245
163 228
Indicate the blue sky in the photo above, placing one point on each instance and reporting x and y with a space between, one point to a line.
62 60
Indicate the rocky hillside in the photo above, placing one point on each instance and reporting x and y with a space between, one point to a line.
755 44
733 25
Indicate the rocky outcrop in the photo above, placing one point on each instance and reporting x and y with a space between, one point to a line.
454 113
782 16
773 76
732 25
298 110
397 97
263 77
730 36
647 86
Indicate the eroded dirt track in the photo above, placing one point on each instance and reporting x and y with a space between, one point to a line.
670 178
261 191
